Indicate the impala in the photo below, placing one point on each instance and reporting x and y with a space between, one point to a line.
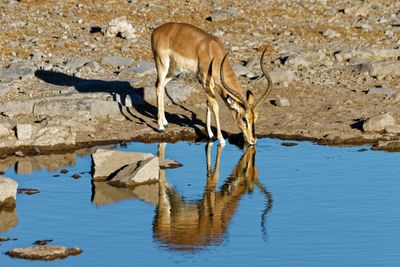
187 48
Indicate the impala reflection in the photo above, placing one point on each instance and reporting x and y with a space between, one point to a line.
184 225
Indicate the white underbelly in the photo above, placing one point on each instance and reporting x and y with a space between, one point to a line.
184 64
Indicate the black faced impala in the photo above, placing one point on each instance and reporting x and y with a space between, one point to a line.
186 47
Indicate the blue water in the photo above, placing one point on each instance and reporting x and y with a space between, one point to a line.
327 206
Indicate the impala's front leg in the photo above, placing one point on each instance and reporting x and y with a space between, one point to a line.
214 107
209 131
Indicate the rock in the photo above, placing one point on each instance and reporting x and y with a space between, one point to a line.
77 62
94 66
16 73
143 171
358 10
219 15
5 88
372 54
384 90
169 164
143 68
176 91
240 69
24 132
384 68
288 144
107 162
304 59
4 131
330 34
76 176
42 242
117 61
364 26
394 129
44 252
282 102
283 76
120 27
55 135
27 191
378 123
8 191
105 110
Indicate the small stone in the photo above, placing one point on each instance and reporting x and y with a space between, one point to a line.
64 171
288 144
122 28
42 242
76 176
330 34
94 66
27 191
393 129
282 102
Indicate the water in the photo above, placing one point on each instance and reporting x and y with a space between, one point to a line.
306 205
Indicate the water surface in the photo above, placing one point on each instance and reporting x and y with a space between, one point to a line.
306 205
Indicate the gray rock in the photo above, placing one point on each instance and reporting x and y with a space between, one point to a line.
8 192
117 61
107 162
220 15
240 69
384 68
77 62
176 91
330 34
94 66
16 73
378 123
105 110
282 102
120 27
24 132
384 90
143 171
44 252
143 68
283 76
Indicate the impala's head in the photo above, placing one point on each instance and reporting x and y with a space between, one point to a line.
244 111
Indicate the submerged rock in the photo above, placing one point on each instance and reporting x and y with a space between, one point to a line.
27 191
169 164
44 252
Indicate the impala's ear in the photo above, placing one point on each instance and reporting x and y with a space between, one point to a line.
250 98
233 104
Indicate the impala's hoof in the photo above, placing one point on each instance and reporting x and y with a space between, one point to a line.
160 130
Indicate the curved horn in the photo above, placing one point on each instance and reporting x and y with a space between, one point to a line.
227 88
266 75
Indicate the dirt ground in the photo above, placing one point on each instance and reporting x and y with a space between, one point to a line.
327 94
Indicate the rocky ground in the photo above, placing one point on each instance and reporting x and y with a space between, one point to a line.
75 74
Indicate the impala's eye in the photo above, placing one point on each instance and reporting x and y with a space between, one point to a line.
244 121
